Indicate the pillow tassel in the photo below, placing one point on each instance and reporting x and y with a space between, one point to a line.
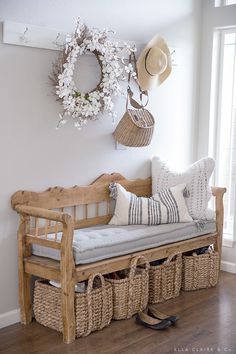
113 190
186 193
201 223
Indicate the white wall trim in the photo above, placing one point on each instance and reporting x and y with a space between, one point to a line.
9 318
228 266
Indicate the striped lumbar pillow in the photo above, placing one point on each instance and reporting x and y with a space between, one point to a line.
165 207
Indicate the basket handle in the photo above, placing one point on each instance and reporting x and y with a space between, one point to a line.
89 300
171 256
178 270
133 266
134 263
91 281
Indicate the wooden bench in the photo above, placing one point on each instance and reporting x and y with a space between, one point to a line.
55 210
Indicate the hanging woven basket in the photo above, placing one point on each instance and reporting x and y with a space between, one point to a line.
135 128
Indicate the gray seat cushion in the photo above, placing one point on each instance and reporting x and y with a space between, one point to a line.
104 241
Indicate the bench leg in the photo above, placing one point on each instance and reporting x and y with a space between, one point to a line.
24 278
25 297
68 282
68 312
219 206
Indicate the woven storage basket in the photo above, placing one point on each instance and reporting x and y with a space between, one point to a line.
165 279
130 295
93 309
200 271
135 128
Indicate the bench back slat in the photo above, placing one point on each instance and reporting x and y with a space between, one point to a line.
97 192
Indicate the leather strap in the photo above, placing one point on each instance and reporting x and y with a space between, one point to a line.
129 98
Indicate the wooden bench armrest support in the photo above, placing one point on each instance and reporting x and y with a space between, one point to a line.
218 193
43 213
68 228
67 265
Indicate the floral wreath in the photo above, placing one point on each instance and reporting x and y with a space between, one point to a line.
82 107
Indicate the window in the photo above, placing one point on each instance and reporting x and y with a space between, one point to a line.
230 2
223 122
224 2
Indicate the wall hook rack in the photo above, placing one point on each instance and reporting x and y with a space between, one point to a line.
33 36
47 38
23 37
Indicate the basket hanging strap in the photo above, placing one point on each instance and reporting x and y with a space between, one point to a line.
141 92
133 266
129 98
89 300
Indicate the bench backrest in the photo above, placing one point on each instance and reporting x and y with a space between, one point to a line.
94 199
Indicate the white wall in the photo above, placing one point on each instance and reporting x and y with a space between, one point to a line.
212 18
35 156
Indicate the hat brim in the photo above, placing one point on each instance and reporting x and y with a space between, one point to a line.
146 81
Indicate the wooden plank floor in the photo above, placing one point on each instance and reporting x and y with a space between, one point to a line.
207 325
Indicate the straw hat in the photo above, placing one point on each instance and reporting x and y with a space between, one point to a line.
154 64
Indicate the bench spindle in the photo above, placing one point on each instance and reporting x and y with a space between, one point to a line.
86 211
97 209
36 227
108 207
74 213
46 228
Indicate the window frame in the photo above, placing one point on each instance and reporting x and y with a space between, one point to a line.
215 109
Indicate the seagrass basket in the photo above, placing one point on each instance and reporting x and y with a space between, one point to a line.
130 295
165 279
200 271
135 128
93 308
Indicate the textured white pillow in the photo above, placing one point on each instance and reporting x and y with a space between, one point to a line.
196 178
166 207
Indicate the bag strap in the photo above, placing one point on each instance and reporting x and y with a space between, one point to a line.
141 92
129 98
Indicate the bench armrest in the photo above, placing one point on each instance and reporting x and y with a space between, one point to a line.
65 246
43 213
218 191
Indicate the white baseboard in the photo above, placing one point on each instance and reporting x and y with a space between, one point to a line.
9 318
228 266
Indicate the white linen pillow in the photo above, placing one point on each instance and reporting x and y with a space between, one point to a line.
165 207
196 178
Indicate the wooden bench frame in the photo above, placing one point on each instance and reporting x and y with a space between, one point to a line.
39 206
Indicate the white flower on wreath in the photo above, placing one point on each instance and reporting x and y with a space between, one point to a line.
79 106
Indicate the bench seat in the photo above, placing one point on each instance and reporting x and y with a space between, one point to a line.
100 242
